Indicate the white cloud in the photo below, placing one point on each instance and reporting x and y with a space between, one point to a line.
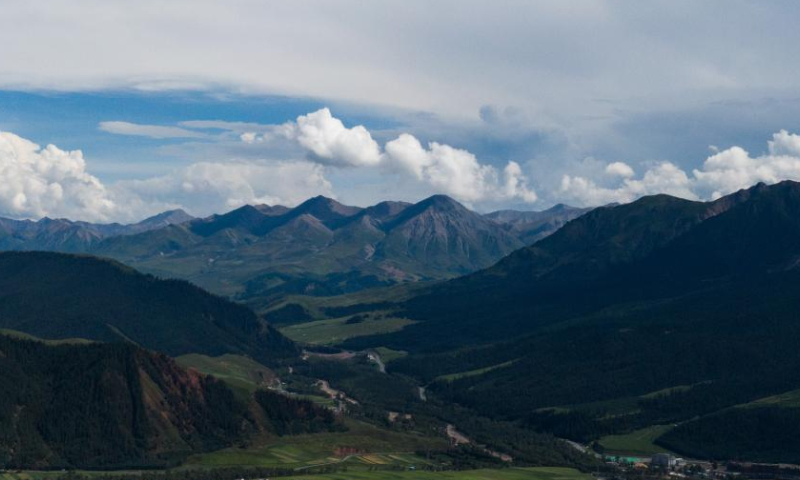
250 138
213 187
724 172
37 182
663 178
445 169
619 169
516 184
151 131
733 169
562 54
333 143
456 172
785 143
326 141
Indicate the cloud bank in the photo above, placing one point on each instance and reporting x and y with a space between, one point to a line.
151 131
37 182
457 172
443 168
722 173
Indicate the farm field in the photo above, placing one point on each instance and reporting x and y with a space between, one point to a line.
333 331
361 440
472 373
27 336
388 355
637 443
237 370
787 400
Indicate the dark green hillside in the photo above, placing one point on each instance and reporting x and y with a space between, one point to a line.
576 332
66 296
105 406
766 434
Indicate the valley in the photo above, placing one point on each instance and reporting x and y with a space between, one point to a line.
605 334
593 353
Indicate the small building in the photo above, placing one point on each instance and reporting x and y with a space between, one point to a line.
664 460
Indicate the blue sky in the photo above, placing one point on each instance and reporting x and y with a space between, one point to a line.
71 120
498 104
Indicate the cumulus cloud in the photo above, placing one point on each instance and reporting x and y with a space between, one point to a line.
619 169
732 169
445 169
456 172
785 143
332 142
212 187
663 178
37 182
326 141
724 172
151 131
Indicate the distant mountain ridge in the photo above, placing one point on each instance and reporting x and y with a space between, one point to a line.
324 247
73 236
531 226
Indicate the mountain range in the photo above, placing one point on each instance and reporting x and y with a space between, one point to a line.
661 311
68 236
322 247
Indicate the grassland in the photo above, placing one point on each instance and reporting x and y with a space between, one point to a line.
636 443
298 451
473 373
389 355
336 330
316 305
26 336
787 400
238 371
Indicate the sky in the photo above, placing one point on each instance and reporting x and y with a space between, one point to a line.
116 110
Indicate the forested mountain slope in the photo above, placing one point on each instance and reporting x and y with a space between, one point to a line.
105 406
54 295
579 332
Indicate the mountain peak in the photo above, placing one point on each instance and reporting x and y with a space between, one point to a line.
168 217
443 202
386 209
325 209
247 217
